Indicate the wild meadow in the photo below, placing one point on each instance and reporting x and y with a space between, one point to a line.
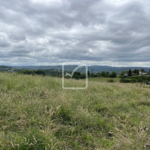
36 113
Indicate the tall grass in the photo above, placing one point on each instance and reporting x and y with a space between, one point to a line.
36 113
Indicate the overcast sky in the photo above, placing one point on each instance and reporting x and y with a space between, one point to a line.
50 32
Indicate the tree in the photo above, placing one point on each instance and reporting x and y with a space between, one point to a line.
142 70
83 76
136 71
113 75
148 78
140 79
77 75
98 74
89 73
121 75
107 74
129 72
103 74
40 72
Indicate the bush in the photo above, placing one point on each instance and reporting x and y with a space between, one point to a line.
113 75
125 80
32 72
39 72
140 79
78 75
110 80
134 81
148 78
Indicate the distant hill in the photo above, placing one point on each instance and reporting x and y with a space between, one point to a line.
93 69
5 68
96 69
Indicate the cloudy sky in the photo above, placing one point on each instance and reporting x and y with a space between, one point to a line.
50 32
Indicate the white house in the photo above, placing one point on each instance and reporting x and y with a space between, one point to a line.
142 72
126 74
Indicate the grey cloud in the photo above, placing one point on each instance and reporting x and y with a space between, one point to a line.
17 37
4 42
87 30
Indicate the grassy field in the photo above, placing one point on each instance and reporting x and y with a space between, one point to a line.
37 114
101 79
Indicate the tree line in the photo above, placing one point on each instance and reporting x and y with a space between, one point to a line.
76 75
103 74
32 72
133 76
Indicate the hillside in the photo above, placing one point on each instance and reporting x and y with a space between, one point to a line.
37 114
93 69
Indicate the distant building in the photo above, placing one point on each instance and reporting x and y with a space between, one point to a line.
142 72
118 74
126 74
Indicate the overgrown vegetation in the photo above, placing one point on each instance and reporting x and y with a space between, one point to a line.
133 76
32 72
36 113
103 74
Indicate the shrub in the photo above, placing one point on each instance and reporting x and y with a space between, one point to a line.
140 79
113 75
32 72
148 78
133 81
110 80
125 80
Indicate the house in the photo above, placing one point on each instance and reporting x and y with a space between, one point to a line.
142 73
125 74
118 74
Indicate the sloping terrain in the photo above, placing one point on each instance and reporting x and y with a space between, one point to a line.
37 114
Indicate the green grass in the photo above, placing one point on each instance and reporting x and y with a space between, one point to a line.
101 79
37 114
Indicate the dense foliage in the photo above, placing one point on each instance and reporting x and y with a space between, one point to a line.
32 72
76 75
133 76
103 74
